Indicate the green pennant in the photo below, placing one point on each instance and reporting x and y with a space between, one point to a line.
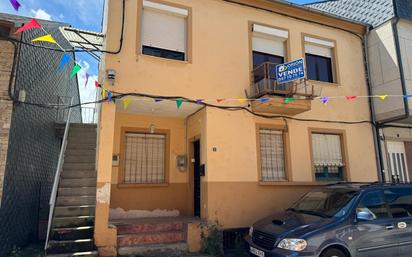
75 70
290 99
179 103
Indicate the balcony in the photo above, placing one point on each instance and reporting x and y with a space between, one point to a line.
264 85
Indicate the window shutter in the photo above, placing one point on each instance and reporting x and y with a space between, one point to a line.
164 29
269 40
327 150
319 47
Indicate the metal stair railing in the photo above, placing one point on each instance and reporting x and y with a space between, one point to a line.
53 195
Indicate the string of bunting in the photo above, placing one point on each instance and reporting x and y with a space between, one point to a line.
66 58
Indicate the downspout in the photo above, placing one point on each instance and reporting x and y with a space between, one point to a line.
375 128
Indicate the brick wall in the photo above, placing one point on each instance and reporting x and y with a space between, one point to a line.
33 148
6 62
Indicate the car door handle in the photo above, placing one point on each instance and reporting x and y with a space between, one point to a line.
389 227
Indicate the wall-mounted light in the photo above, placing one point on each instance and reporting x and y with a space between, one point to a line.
152 128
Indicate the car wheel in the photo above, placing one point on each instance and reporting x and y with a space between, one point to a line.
333 253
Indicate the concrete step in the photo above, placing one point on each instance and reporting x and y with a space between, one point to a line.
69 222
149 228
72 233
79 166
74 211
77 152
75 200
79 158
77 182
67 246
82 140
78 254
79 174
80 146
150 238
78 191
170 250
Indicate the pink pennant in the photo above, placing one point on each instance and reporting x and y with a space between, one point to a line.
220 100
33 24
96 83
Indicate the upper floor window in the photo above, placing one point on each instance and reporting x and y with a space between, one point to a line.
268 45
164 31
4 29
320 59
327 156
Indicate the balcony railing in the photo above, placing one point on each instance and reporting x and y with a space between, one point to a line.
264 83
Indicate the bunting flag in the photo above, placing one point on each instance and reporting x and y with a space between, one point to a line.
103 93
16 5
220 100
407 96
157 100
264 100
126 103
109 96
324 100
33 24
96 83
87 79
75 70
47 38
351 97
179 103
199 101
383 97
242 100
289 99
65 59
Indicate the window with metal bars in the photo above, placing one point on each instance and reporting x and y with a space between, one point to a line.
145 158
272 155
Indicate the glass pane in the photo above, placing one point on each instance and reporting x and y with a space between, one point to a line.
374 203
260 58
400 202
163 53
319 68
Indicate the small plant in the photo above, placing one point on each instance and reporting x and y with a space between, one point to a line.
212 239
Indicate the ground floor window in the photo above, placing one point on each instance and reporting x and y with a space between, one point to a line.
145 158
272 155
327 156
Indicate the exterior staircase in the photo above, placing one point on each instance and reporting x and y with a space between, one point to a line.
73 220
153 237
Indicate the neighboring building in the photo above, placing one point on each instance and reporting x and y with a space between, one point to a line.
29 146
240 167
390 68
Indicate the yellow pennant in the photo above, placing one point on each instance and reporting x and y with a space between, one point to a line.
103 93
383 97
126 103
242 100
46 38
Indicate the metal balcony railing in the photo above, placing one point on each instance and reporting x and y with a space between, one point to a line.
264 83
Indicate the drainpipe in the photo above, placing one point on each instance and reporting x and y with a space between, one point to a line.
375 128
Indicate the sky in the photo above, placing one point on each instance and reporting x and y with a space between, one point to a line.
81 14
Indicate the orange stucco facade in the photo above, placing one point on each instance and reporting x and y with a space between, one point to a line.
219 67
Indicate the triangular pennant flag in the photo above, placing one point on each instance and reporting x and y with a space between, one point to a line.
46 38
289 99
65 59
324 100
109 96
103 93
242 100
96 83
16 4
264 100
126 103
33 24
351 97
114 99
220 100
179 103
157 100
199 101
87 79
75 70
383 97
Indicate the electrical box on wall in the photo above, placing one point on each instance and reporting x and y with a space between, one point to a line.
181 162
110 76
115 160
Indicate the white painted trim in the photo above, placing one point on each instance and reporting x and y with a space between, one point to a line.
166 8
271 31
320 42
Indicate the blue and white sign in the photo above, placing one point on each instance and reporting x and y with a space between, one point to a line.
290 71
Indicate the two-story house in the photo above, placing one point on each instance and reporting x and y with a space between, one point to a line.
201 128
389 53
